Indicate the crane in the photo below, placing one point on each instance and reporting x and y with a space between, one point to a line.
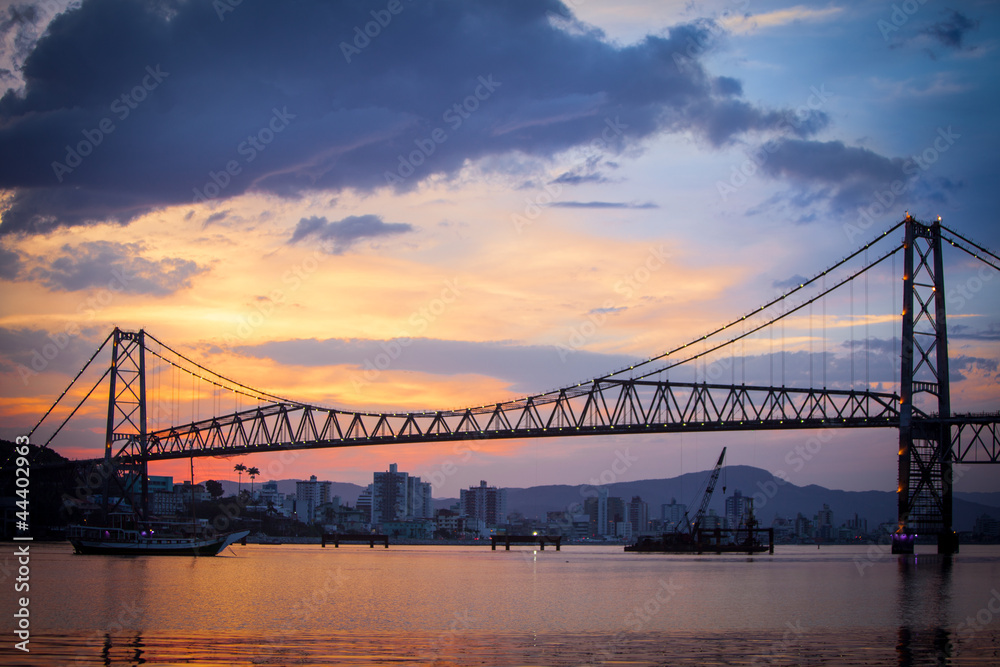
700 514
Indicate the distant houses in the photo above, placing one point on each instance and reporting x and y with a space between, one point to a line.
399 504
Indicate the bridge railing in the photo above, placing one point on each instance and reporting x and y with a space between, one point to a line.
607 406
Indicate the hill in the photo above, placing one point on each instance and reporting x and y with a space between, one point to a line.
772 497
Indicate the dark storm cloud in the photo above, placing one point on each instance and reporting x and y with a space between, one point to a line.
951 30
130 106
965 332
103 263
845 176
29 352
344 233
10 264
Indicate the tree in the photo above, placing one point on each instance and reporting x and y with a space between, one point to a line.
214 488
252 472
240 468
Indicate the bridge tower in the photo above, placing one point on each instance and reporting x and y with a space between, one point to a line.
125 477
924 493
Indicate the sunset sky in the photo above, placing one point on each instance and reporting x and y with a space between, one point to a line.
534 192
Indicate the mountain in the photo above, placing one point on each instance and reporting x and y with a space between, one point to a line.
992 499
772 497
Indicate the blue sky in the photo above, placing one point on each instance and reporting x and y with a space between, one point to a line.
278 194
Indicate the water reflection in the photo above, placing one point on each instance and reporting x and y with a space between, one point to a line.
924 594
110 657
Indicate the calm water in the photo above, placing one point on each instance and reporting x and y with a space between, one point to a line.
305 605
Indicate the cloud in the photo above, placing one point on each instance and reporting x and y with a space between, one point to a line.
345 233
741 24
104 263
529 368
154 104
603 204
844 176
570 178
10 264
787 283
952 30
28 352
965 332
216 217
962 365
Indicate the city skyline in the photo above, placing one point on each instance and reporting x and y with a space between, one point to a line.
312 223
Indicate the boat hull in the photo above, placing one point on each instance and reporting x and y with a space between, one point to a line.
157 547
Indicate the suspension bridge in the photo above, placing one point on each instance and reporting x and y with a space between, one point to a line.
639 399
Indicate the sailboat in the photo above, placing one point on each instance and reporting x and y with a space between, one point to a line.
123 536
124 533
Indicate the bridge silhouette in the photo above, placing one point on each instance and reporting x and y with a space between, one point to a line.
639 399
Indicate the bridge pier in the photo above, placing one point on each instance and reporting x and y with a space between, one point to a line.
361 538
524 539
924 493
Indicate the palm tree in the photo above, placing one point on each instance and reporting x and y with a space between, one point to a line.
253 472
240 468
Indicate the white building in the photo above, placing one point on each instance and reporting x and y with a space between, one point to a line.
486 503
269 494
672 515
398 496
310 495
